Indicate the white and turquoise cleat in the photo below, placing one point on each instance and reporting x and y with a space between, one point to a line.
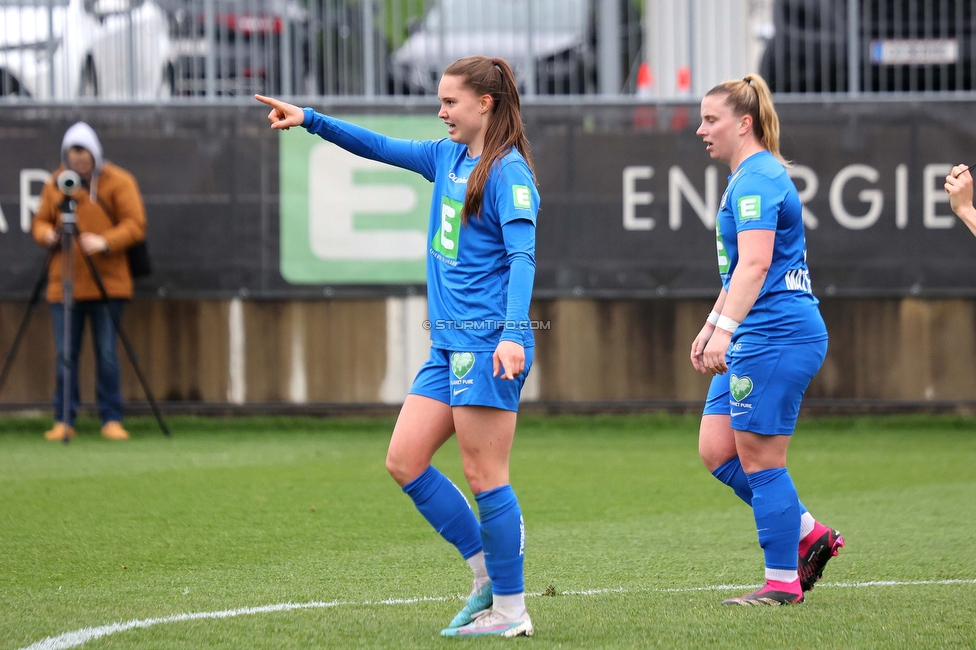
491 623
478 601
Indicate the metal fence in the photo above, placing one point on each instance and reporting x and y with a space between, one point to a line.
871 46
155 50
65 51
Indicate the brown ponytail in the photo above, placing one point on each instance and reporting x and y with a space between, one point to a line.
750 96
505 130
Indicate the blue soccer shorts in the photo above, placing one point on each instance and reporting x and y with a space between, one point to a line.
460 378
764 385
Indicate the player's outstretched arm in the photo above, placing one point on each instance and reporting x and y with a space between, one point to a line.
283 115
417 156
959 185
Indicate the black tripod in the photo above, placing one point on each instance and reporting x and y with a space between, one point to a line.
68 182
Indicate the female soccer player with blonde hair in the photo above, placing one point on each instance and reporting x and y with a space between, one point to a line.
764 340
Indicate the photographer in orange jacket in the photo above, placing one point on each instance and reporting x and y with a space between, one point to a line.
110 218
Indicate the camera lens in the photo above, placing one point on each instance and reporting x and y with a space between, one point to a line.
68 181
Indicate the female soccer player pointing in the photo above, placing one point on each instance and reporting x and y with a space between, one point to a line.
764 340
480 269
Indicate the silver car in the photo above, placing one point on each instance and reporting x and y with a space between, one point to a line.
547 42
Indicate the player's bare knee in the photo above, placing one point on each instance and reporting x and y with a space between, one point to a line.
482 479
711 457
478 480
475 481
403 470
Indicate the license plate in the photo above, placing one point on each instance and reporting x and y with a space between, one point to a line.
190 47
915 51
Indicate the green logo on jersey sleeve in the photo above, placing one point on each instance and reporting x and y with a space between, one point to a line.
522 197
446 238
750 207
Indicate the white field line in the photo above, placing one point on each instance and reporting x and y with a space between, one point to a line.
80 637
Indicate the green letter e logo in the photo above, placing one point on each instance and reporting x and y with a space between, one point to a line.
750 207
447 236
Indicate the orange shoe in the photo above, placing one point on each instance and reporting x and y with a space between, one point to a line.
57 432
114 431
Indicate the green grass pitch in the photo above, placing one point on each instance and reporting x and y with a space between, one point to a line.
627 533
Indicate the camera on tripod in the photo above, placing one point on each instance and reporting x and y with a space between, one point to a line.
69 182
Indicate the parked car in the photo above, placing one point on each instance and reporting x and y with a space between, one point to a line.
63 49
555 40
147 49
249 37
918 45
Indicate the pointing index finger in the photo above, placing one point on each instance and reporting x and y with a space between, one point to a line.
270 101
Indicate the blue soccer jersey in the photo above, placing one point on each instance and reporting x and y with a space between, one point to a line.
761 196
468 267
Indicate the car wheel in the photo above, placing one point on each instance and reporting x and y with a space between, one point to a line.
9 84
167 87
89 80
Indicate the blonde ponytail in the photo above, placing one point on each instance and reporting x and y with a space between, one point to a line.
750 96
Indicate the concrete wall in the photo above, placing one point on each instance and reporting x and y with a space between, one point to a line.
367 351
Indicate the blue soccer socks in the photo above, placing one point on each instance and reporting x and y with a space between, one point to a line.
730 472
777 512
501 534
444 506
503 539
477 564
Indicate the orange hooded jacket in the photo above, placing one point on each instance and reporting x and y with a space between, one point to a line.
117 193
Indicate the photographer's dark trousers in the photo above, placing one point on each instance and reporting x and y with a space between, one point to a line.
108 394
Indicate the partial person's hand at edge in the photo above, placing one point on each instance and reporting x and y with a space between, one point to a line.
283 115
959 186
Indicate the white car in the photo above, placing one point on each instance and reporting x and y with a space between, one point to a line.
57 50
550 38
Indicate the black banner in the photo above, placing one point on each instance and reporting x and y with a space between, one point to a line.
628 199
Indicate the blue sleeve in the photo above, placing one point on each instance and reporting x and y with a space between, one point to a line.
756 203
514 199
519 236
415 155
513 192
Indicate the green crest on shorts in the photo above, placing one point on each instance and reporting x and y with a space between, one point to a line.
740 387
461 363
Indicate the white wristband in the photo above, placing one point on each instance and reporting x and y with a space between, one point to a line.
727 324
712 317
